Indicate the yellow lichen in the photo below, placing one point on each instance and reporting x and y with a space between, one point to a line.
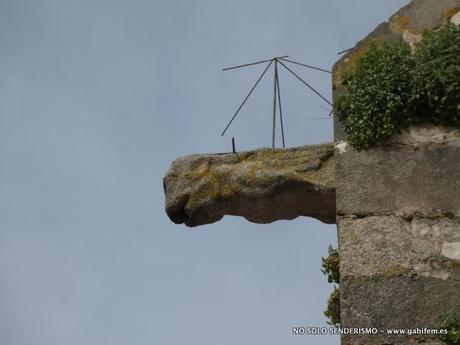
394 271
346 67
200 169
217 182
451 12
400 23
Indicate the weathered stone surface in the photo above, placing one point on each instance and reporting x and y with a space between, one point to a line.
402 301
416 171
398 208
392 245
399 229
421 15
263 186
397 273
451 250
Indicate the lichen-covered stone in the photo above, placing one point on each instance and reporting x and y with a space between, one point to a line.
263 186
422 15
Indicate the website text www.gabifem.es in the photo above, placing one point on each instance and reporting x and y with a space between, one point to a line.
366 331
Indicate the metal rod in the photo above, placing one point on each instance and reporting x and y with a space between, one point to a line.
330 111
279 106
344 51
274 103
233 145
308 66
305 83
249 94
319 118
253 63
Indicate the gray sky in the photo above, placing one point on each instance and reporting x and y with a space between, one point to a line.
97 97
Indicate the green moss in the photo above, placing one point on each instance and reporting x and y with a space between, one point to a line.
390 88
451 322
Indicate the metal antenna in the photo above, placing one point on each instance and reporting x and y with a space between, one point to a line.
279 105
254 63
274 103
249 94
308 66
276 90
330 111
305 83
319 118
344 51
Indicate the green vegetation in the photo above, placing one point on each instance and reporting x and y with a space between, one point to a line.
330 267
436 77
391 88
333 307
375 103
451 322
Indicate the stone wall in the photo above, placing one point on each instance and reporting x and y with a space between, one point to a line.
398 210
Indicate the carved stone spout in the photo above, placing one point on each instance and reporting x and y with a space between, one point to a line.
262 186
